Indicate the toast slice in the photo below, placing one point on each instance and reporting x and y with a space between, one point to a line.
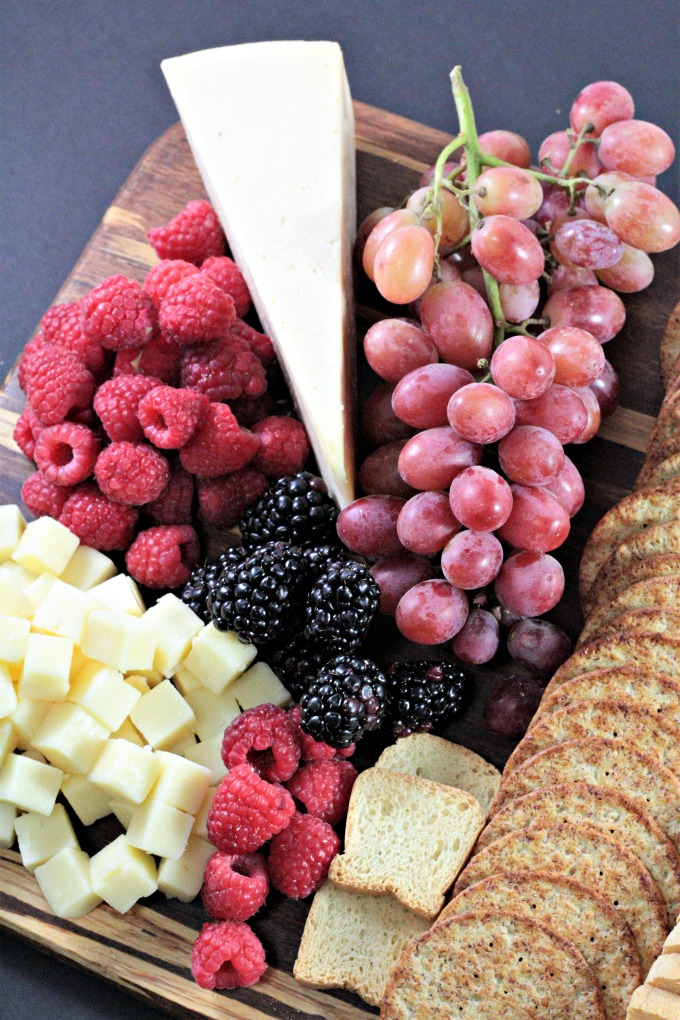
406 836
442 761
650 1003
656 651
656 543
658 692
665 973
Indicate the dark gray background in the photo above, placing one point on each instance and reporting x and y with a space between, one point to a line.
82 96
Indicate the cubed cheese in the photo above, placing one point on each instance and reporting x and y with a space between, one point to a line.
88 567
120 593
163 717
117 639
71 738
103 692
88 801
182 879
45 545
13 638
12 525
125 771
65 882
122 874
160 829
217 657
181 783
46 669
42 836
29 784
64 611
259 686
173 626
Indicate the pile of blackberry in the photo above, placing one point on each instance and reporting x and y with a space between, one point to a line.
203 579
345 699
423 695
295 509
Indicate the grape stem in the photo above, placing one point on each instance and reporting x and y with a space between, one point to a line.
489 160
435 204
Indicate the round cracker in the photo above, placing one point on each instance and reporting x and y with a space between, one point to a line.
656 651
648 594
656 691
669 351
641 621
664 440
626 565
652 475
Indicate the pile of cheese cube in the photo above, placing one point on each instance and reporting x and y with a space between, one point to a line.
116 709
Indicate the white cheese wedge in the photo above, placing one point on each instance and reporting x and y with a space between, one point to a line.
271 127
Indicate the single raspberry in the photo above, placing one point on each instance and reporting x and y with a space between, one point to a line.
195 310
259 343
223 370
97 521
42 497
218 446
324 787
26 432
116 402
227 954
249 411
247 811
229 277
159 359
315 750
66 453
36 343
264 738
163 557
284 447
174 506
168 272
235 886
62 325
170 416
57 384
132 473
222 501
193 235
300 856
119 314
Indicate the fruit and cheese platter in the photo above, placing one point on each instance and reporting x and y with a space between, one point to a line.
291 556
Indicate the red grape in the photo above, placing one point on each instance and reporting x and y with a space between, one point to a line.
538 522
511 707
481 412
379 472
449 272
598 310
426 523
480 499
597 193
539 645
555 201
592 407
636 147
433 458
403 264
531 455
395 575
507 250
428 176
478 640
506 618
432 612
368 526
568 488
523 367
394 347
455 223
568 277
555 150
475 277
578 356
422 396
588 243
519 301
530 583
365 228
459 322
633 272
392 221
643 217
508 191
607 389
379 423
559 410
506 145
600 104
472 559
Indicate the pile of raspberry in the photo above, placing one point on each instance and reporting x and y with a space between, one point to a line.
148 401
284 789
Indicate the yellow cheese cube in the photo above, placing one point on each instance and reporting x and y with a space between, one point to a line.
38 590
159 829
88 801
125 771
181 783
11 571
151 676
122 874
182 879
126 731
13 638
88 567
65 882
217 657
137 681
26 719
71 738
8 816
118 640
64 611
120 593
213 711
8 696
185 681
123 810
163 717
42 836
13 599
103 692
183 745
29 784
12 525
259 686
8 739
45 545
209 754
200 826
174 626
46 669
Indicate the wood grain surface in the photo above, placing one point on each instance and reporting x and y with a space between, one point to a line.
148 950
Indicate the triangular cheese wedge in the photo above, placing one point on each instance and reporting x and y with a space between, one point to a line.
271 128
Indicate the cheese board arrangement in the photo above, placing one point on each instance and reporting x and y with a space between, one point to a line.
308 557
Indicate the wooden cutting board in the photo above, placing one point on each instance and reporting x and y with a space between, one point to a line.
148 950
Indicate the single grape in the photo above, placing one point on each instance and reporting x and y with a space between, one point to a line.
530 583
432 612
507 191
480 499
568 277
459 322
365 228
428 176
531 455
479 638
598 310
506 145
386 224
636 147
475 277
643 217
395 575
588 243
592 407
597 193
568 488
379 472
507 250
426 523
523 367
533 225
472 559
607 389
537 523
433 458
481 413
449 272
633 272
559 410
578 356
379 423
455 222
403 264
511 707
555 201
600 104
506 618
555 150
368 526
420 399
394 347
519 301
539 645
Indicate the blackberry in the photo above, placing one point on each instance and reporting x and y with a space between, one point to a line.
340 606
294 509
423 695
346 698
259 597
296 662
203 580
321 557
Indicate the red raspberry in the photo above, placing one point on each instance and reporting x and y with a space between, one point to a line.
324 787
195 310
159 359
284 447
97 521
36 343
174 506
229 277
259 344
264 738
315 750
193 235
26 432
66 453
57 383
119 314
247 811
168 272
62 325
300 856
222 501
170 416
116 402
163 557
227 954
235 886
132 473
249 411
218 446
42 497
223 370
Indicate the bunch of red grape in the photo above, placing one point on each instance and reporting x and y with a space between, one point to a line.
483 492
